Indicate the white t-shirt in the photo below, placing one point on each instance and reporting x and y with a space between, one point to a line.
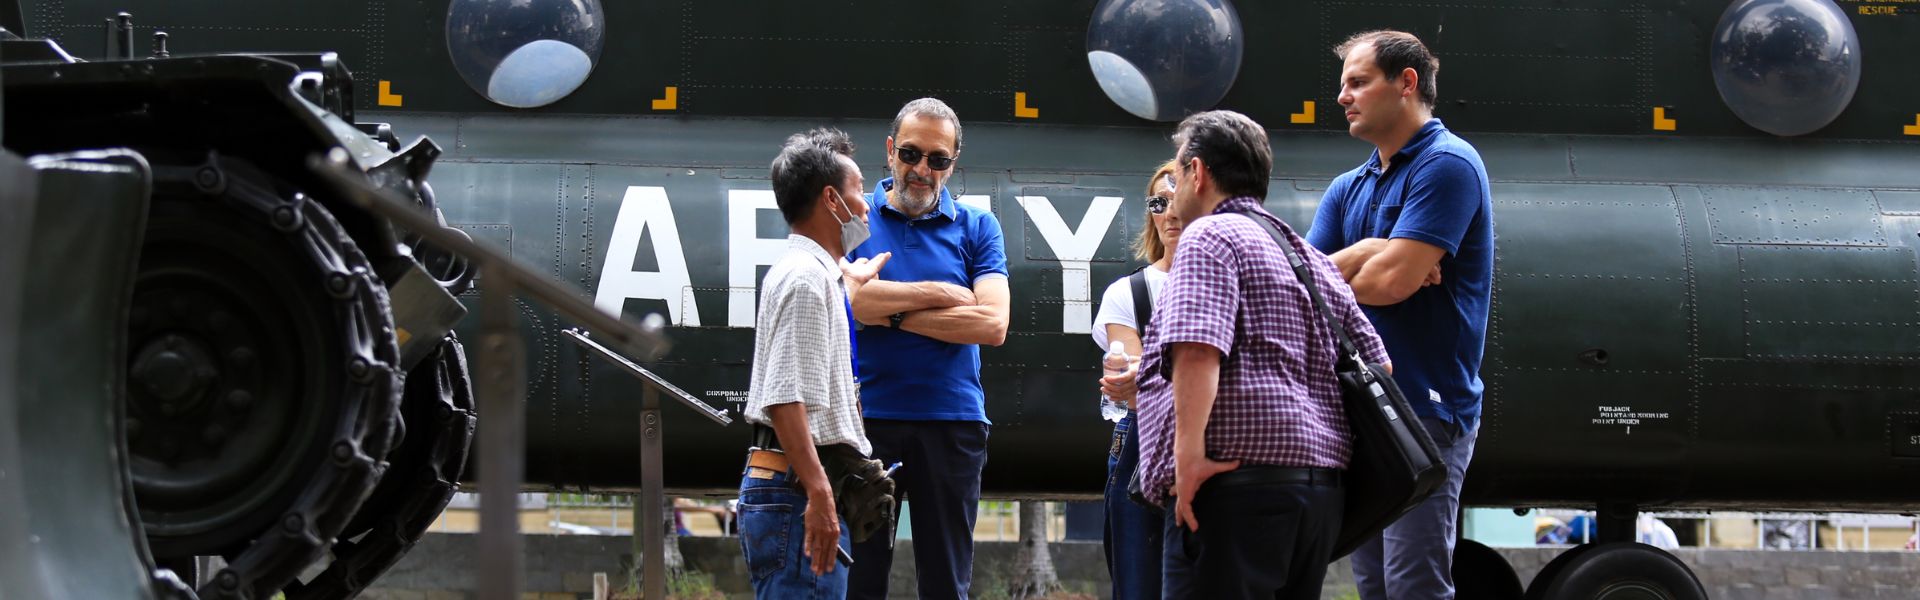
1116 306
1656 533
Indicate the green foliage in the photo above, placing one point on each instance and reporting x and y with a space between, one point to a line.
693 585
989 586
993 586
685 585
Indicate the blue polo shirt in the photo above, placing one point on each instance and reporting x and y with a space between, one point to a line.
906 375
1434 191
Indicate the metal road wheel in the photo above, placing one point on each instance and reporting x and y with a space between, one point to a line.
1480 573
260 396
1616 571
422 469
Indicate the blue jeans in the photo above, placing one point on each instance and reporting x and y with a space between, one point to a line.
1413 558
773 535
1133 532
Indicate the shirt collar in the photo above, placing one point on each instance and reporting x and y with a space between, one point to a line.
812 248
1239 204
1415 145
945 208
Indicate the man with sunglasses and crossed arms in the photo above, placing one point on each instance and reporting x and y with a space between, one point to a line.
943 294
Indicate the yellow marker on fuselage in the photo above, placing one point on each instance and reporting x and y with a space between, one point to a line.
387 97
1020 108
672 101
1661 122
1305 116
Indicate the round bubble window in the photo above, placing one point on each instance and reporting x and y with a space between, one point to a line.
1165 59
1786 67
525 53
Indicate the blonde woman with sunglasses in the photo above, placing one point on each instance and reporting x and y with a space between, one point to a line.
1133 531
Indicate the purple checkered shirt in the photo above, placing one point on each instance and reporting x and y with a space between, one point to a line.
1279 403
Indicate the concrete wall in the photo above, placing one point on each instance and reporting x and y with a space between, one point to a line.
562 566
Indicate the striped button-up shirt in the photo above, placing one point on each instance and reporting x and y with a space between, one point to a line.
802 347
1278 402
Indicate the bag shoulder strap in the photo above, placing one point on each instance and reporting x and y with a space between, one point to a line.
1142 304
1348 352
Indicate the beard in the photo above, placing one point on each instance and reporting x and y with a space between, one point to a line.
916 200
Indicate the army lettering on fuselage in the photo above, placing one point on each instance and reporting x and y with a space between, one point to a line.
1075 248
646 209
747 252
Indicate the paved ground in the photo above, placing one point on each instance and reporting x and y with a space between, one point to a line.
562 567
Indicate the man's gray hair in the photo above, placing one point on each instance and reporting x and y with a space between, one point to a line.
931 108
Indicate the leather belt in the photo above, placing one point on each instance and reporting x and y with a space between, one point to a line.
772 460
1271 474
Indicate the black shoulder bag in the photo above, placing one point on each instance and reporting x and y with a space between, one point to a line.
1395 464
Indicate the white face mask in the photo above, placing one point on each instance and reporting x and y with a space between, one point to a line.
853 231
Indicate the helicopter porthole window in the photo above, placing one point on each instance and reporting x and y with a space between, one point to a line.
1165 59
1786 67
525 53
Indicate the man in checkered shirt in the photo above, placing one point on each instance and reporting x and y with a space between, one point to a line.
1242 425
803 372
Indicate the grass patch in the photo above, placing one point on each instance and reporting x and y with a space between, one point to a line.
693 585
687 585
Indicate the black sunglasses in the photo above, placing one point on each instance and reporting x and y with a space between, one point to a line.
937 162
1157 204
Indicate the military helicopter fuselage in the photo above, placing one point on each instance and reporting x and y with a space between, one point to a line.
1662 334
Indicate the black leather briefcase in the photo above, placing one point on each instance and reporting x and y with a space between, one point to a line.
1395 464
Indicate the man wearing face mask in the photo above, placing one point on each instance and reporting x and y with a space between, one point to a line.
802 401
942 295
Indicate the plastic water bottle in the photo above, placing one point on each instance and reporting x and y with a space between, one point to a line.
1115 363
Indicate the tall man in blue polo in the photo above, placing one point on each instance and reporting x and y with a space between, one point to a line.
1412 231
942 295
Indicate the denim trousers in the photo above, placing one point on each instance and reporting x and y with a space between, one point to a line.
1133 532
773 535
1413 558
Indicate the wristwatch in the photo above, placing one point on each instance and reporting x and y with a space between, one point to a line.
894 321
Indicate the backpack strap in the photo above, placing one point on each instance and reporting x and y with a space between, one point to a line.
1142 305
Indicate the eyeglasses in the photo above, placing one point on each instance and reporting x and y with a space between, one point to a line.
911 156
1157 204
